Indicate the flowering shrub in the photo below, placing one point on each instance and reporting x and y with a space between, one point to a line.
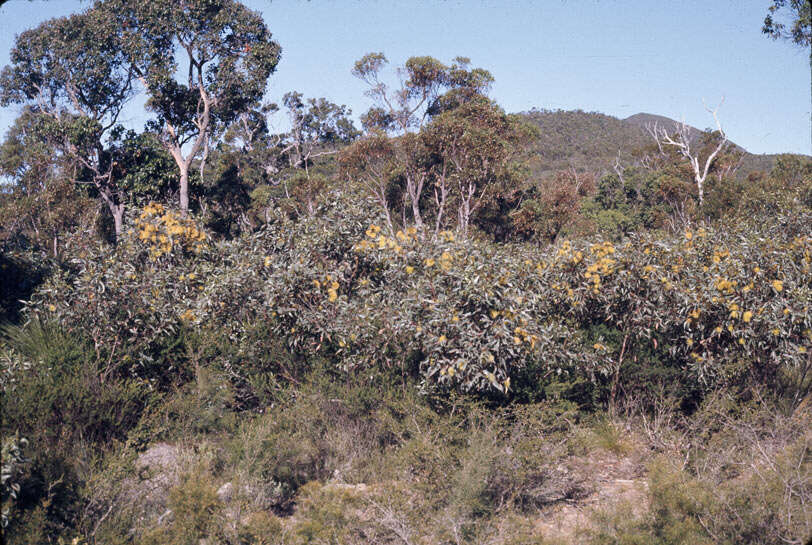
726 304
164 231
131 300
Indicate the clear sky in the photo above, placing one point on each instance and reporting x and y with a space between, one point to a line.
619 57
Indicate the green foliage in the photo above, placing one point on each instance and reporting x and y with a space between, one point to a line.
21 275
725 306
349 363
195 512
65 394
800 31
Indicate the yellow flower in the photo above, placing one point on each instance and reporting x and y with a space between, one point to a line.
429 262
741 340
409 269
689 235
450 371
507 384
690 342
517 340
778 285
332 295
718 329
747 316
494 314
442 339
776 331
52 308
802 349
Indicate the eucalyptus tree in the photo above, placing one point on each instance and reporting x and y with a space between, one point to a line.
790 20
427 88
42 202
202 64
70 72
474 145
318 127
681 141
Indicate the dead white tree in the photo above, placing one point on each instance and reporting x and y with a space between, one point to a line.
681 140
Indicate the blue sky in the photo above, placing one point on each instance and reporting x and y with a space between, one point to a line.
618 57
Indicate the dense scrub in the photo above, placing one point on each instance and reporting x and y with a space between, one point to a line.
718 306
362 381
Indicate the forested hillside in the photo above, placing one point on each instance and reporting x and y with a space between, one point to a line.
450 324
592 141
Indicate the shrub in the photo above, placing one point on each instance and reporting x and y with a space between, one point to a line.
196 514
711 307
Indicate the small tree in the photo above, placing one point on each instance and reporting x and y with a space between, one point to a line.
318 127
371 161
474 144
42 202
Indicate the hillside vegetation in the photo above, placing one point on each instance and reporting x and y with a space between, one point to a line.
451 325
592 141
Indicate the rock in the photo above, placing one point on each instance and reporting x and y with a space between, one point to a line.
146 494
225 492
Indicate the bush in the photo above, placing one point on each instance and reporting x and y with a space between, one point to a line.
711 307
196 514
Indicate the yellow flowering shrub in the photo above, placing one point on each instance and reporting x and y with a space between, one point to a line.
725 305
165 231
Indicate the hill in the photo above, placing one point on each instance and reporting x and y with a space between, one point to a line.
585 140
593 140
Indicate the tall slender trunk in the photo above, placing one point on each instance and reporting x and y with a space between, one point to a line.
184 188
700 186
118 219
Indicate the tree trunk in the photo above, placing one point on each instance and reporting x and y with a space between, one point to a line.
700 186
184 189
118 219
